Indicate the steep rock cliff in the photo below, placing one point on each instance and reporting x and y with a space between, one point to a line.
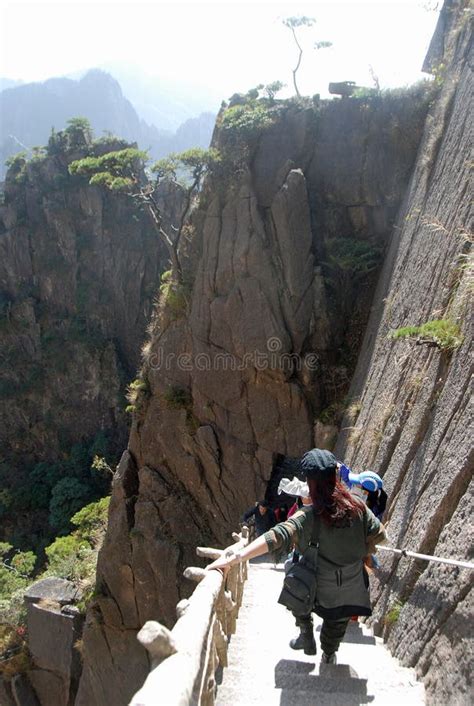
79 268
268 341
415 423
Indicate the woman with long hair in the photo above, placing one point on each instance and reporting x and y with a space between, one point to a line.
346 531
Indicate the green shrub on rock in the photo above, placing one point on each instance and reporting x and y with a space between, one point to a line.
394 613
71 558
16 570
246 120
74 556
17 168
24 563
358 258
175 296
91 518
63 548
443 333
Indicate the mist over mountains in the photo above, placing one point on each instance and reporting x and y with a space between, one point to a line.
28 112
164 102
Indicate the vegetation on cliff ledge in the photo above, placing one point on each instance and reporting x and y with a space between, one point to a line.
72 557
443 333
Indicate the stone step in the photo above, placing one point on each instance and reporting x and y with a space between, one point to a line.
300 672
264 670
315 697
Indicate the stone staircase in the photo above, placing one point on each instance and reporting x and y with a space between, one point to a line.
264 670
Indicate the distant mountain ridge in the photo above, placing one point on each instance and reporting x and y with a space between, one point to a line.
161 101
8 83
96 96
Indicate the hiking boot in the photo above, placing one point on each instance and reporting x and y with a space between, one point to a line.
329 659
305 641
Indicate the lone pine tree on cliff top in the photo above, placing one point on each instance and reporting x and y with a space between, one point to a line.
293 23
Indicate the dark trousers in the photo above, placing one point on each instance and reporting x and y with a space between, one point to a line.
332 631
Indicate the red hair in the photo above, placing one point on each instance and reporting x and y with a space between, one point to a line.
332 500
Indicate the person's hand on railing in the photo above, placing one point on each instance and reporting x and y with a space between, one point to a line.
228 558
221 565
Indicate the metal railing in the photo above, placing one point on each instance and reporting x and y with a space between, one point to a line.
184 660
427 557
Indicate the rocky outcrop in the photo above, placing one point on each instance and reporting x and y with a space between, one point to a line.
52 636
415 399
79 268
60 591
54 632
237 379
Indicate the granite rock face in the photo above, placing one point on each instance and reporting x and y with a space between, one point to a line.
79 268
415 425
54 633
238 379
48 687
52 636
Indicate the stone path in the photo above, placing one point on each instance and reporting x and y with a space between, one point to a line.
264 670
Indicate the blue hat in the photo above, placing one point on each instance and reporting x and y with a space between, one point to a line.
367 479
316 462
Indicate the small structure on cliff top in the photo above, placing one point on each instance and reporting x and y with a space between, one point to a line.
342 88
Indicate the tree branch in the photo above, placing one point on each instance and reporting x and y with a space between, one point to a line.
172 247
186 210
12 568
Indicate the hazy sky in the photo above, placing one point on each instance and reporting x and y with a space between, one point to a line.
230 46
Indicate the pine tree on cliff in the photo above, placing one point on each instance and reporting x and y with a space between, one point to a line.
124 170
293 23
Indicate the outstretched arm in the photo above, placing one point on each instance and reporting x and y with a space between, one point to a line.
258 547
282 535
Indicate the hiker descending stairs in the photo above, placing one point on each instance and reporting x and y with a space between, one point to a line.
263 669
233 646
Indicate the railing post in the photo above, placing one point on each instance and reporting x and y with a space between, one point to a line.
209 681
158 641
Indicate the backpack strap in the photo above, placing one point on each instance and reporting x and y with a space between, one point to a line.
314 541
310 556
